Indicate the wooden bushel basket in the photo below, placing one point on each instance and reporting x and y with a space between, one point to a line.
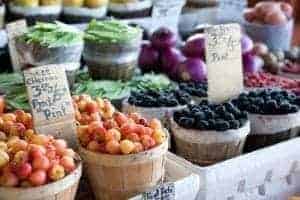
117 177
64 189
208 147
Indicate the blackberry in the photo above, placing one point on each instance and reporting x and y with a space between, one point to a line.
221 125
211 124
209 114
271 106
220 110
186 122
202 125
294 108
228 116
253 108
234 124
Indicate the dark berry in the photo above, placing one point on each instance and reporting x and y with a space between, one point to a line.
228 116
202 125
221 125
234 124
186 122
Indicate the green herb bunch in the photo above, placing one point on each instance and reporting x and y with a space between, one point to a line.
111 31
52 35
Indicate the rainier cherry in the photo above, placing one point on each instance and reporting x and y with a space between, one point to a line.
38 177
68 163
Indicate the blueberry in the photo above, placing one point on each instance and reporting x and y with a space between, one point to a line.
221 125
294 109
271 105
211 124
234 124
228 116
204 102
259 101
199 115
172 103
252 94
220 110
209 114
186 122
202 125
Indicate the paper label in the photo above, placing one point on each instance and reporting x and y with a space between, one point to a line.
49 94
51 102
231 10
163 192
224 62
14 30
165 13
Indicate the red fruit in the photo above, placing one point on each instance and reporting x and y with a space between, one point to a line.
24 170
127 128
120 118
91 107
9 180
135 116
138 147
69 152
113 147
41 163
147 141
68 163
133 137
38 177
111 123
155 124
56 172
102 148
146 131
36 151
51 152
60 146
93 146
20 158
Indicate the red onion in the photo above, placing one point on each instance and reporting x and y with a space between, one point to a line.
195 46
252 63
192 69
171 58
148 58
163 38
247 44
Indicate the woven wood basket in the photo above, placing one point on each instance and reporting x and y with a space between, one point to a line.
208 147
118 177
64 189
267 130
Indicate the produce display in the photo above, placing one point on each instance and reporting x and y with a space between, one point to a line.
268 102
152 98
208 116
197 90
28 159
129 8
188 63
274 116
52 35
116 41
83 10
102 129
262 79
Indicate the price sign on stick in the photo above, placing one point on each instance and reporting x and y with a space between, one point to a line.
165 13
14 30
231 10
50 101
224 62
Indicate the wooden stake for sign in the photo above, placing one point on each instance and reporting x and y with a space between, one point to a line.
224 62
51 102
14 30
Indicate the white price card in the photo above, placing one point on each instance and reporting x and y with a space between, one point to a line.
15 29
50 101
166 13
165 191
224 62
231 10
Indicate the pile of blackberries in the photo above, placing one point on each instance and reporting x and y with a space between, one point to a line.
165 98
268 101
208 116
197 89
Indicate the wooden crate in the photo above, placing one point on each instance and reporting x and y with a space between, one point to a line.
180 181
271 173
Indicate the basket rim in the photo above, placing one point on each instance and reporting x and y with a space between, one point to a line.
63 182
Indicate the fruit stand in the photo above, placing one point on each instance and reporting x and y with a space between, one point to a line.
149 100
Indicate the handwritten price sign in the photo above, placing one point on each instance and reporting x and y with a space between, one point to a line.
50 100
224 62
162 192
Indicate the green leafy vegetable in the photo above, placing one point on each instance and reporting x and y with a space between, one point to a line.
150 82
52 35
110 31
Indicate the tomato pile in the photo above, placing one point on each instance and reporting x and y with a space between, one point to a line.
103 129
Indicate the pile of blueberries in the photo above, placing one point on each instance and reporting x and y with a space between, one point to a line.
209 116
268 101
165 98
197 89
